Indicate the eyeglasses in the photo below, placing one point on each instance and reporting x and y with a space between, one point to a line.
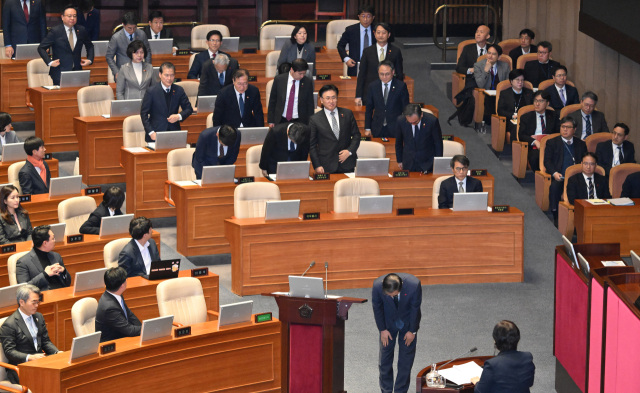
461 169
216 40
539 101
543 53
567 127
560 75
589 164
365 16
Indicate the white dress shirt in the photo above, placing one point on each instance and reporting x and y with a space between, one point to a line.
154 35
593 181
137 69
119 299
562 92
616 154
3 140
112 212
371 40
295 101
244 98
224 148
484 52
146 256
336 114
31 325
539 123
211 53
527 52
584 124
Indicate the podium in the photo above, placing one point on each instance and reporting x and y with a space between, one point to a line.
421 379
312 332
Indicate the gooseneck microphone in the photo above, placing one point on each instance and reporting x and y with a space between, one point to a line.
464 354
312 264
326 278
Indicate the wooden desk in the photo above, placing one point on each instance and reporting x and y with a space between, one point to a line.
244 358
431 245
4 168
608 224
44 210
180 62
327 61
140 297
421 378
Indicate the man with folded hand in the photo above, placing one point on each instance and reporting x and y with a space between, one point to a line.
42 266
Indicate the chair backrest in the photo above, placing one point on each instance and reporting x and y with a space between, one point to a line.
110 78
112 250
618 175
461 47
502 85
268 35
452 148
191 59
253 161
271 64
526 58
2 56
347 191
250 199
191 90
335 29
95 100
593 140
544 84
268 89
74 212
522 111
569 109
436 190
83 316
508 45
179 164
38 73
503 58
369 149
11 267
210 119
199 36
573 170
184 299
543 146
13 174
133 132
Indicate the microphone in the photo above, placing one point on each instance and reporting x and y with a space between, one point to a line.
464 354
312 264
326 278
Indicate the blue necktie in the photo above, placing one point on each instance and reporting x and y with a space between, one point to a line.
221 78
130 37
241 103
588 128
292 149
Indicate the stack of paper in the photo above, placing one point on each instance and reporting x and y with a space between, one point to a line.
462 374
597 201
613 263
621 202
490 92
351 175
136 150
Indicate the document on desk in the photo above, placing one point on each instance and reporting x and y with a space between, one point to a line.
136 150
490 92
183 183
597 201
351 175
621 202
462 373
613 263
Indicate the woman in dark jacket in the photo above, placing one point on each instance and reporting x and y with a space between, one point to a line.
15 225
112 201
298 48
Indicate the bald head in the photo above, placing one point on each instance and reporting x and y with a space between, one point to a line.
483 33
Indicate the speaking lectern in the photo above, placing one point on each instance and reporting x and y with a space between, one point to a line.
312 332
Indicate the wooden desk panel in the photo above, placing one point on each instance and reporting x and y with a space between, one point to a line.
608 224
44 211
180 62
4 168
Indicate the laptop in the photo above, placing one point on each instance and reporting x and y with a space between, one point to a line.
235 313
230 44
116 225
470 201
124 108
88 280
441 165
280 41
27 52
309 73
635 259
584 265
309 287
281 210
84 345
13 152
379 204
8 295
68 185
253 135
568 248
99 49
74 78
156 328
163 46
58 231
161 270
216 174
168 140
206 104
293 170
372 167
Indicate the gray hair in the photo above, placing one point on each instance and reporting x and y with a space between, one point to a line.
25 291
591 95
221 60
412 109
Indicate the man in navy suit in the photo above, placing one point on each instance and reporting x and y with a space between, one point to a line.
588 184
588 120
541 69
535 124
284 142
239 105
418 139
396 300
631 186
358 37
216 146
526 37
159 110
66 41
155 30
113 318
23 22
386 99
618 151
215 75
561 93
214 41
458 183
137 255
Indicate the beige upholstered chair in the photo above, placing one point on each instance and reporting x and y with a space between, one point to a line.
11 266
13 173
499 132
451 148
110 77
37 73
436 190
5 385
271 64
544 84
253 161
369 149
569 109
347 191
508 45
112 250
335 29
565 209
458 80
268 90
593 140
133 132
542 178
95 100
76 167
74 212
269 32
191 90
210 120
250 199
522 60
179 164
199 35
2 55
191 59
184 299
83 316
618 175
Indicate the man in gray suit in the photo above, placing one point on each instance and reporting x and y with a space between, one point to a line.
488 73
589 120
117 49
42 266
137 255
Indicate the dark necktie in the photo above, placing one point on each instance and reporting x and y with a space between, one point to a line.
415 132
292 98
620 154
367 41
221 78
564 100
157 36
481 52
26 10
588 122
221 151
544 128
292 149
167 97
493 78
241 104
395 301
130 37
591 195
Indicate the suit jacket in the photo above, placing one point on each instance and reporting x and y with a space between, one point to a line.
449 187
275 148
227 109
91 23
385 312
207 151
483 79
9 232
507 102
30 180
631 186
210 81
17 341
515 53
154 111
468 58
112 321
426 145
127 85
130 258
10 137
164 34
571 95
529 122
604 151
92 225
279 96
198 62
58 41
369 67
534 73
598 122
555 150
323 145
509 372
289 53
351 37
577 187
117 49
29 270
377 111
15 26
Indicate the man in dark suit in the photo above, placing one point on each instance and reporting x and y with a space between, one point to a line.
35 175
239 105
159 110
113 318
386 98
588 184
541 70
526 37
561 93
66 41
214 41
112 202
24 333
23 22
535 124
156 30
371 58
91 21
618 151
458 183
418 139
471 52
215 75
513 99
42 266
334 135
136 257
588 120
631 186
291 98
116 55
396 300
285 142
216 146
358 37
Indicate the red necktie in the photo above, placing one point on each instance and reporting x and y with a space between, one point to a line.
213 56
292 97
26 10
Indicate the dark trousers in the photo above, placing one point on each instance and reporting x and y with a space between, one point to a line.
284 120
384 133
342 169
555 193
489 108
406 354
534 159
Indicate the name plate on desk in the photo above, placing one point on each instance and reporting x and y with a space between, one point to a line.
323 77
93 190
311 216
182 331
47 156
400 173
183 52
199 272
107 348
7 248
75 239
500 209
365 138
249 50
321 176
246 179
478 172
25 198
264 317
447 137
253 79
405 212
103 83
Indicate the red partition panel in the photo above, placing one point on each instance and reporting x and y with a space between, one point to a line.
595 337
622 352
305 358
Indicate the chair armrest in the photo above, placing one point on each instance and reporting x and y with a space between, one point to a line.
498 129
23 389
167 193
176 324
478 110
27 98
520 153
10 367
457 84
543 181
212 315
565 219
